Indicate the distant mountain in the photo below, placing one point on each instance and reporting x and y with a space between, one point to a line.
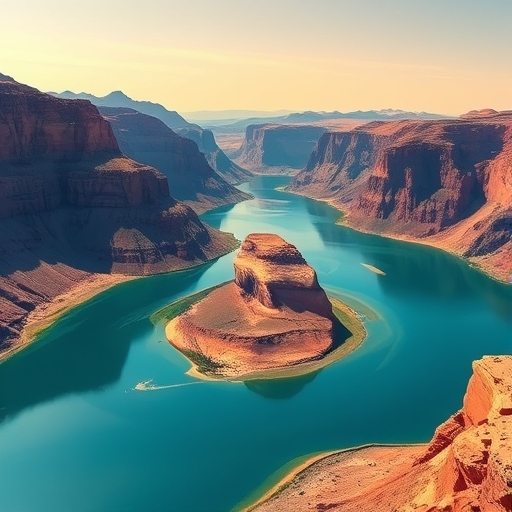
217 159
5 78
231 115
119 99
314 117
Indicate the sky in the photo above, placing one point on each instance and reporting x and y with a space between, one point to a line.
444 56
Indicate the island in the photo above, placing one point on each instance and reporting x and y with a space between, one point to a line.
273 320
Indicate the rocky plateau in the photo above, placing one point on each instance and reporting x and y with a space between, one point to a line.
466 467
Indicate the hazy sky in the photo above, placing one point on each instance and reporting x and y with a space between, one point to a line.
445 56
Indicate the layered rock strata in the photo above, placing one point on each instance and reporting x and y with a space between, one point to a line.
466 467
446 182
191 179
72 205
273 315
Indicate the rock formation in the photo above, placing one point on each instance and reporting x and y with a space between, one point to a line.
273 315
270 145
217 159
71 205
147 139
466 467
448 182
204 139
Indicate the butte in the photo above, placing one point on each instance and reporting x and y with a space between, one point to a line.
273 316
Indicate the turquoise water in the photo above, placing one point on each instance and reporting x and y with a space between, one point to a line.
76 436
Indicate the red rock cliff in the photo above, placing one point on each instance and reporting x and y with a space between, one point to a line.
269 145
72 204
450 181
273 272
467 467
470 456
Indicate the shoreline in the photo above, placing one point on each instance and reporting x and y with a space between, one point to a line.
350 318
343 220
47 313
303 468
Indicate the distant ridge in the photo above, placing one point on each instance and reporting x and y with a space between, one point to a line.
119 99
311 116
6 78
205 140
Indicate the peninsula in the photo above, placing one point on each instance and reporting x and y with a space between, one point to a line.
466 466
273 316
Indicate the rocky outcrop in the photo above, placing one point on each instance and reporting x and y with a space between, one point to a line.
147 139
269 145
71 204
448 182
470 455
339 162
273 272
204 139
466 467
274 315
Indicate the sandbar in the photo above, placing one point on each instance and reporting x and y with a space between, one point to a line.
373 269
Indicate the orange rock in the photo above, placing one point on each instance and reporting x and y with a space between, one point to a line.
274 315
467 467
447 182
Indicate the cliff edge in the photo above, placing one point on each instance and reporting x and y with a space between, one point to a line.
466 467
73 206
445 182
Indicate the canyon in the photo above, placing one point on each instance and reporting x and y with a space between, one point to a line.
278 315
466 466
204 139
191 179
74 210
270 146
447 183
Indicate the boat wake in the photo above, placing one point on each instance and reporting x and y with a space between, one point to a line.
148 385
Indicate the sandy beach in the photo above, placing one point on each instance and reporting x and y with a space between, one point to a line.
334 480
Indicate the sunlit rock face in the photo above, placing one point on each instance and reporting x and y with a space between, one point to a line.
446 181
272 271
274 314
72 204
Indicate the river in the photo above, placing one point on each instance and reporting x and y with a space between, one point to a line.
76 435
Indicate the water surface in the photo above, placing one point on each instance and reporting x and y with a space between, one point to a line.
75 435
